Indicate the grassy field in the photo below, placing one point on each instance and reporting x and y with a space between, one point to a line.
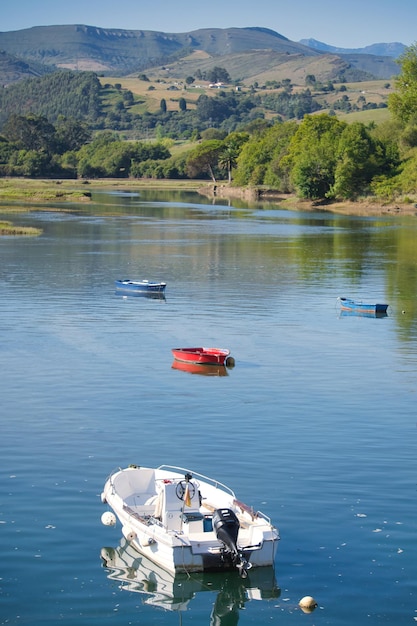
371 115
149 93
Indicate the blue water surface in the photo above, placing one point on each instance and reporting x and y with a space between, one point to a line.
315 425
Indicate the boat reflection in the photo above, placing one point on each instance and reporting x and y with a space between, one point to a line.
374 314
162 589
153 295
202 370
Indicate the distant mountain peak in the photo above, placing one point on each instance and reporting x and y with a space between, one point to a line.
393 49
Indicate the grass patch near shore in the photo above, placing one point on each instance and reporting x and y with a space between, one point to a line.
7 228
30 190
40 190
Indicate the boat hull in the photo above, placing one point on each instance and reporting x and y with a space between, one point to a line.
142 287
347 304
178 533
209 369
201 356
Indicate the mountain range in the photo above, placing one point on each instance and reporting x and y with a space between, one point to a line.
248 54
394 49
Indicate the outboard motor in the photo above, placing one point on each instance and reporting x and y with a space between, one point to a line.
226 527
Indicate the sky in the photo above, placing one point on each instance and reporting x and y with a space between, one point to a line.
348 24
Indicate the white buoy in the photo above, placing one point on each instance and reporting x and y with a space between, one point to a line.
307 604
108 519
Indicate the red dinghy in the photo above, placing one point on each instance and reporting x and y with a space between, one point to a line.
202 356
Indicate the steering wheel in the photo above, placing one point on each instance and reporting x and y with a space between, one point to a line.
182 487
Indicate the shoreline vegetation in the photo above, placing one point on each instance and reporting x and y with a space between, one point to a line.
362 207
7 228
14 192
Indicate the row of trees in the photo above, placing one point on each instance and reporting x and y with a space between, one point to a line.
320 157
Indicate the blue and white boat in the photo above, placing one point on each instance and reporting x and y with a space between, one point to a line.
139 286
347 304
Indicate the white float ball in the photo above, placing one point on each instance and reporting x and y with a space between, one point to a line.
307 604
108 519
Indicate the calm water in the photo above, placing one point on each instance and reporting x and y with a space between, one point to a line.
315 425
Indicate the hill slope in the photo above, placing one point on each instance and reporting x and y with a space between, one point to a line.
119 52
116 51
13 69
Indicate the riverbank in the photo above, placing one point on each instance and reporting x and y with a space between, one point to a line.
53 191
363 206
47 190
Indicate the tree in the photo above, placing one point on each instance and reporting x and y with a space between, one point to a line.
204 158
30 163
163 105
218 75
213 109
189 80
359 159
182 104
230 151
261 159
71 134
31 132
213 133
403 103
128 97
312 155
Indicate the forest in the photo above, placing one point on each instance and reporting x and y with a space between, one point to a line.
60 126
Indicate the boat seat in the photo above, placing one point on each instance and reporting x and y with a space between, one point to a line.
140 513
135 481
143 504
140 499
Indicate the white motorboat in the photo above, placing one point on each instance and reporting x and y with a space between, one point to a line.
187 522
173 592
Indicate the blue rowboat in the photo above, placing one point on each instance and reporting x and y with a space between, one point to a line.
347 304
139 286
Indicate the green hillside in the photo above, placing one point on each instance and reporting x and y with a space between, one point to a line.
133 104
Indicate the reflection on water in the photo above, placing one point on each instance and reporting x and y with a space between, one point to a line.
151 295
202 370
133 572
